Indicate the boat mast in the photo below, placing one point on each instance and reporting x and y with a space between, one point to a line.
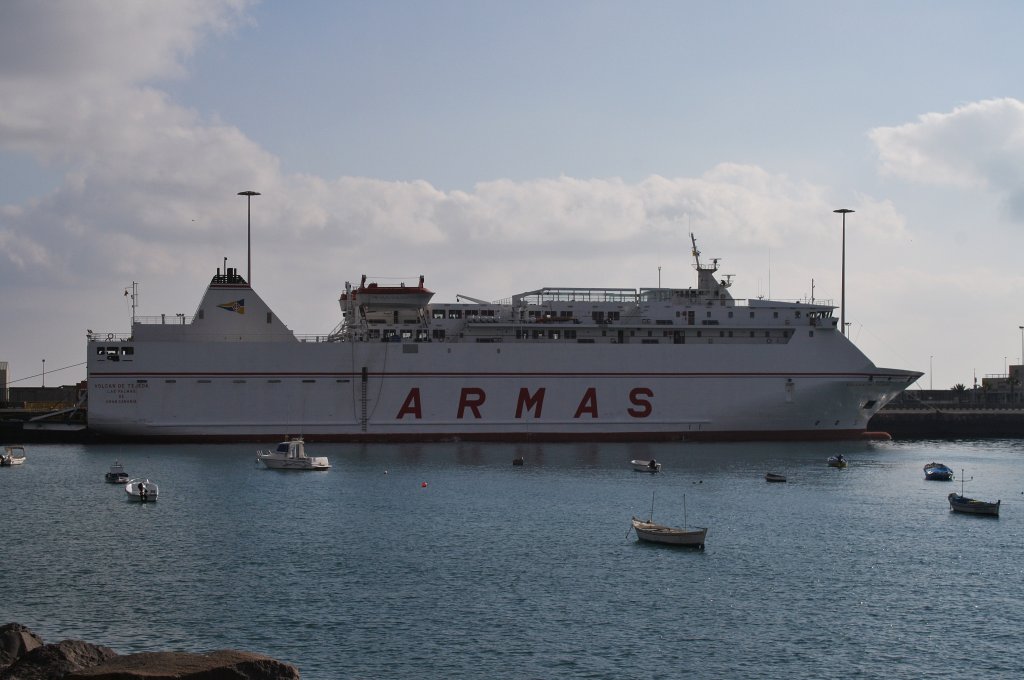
962 480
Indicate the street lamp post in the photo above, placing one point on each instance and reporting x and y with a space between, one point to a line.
44 372
842 301
931 384
248 198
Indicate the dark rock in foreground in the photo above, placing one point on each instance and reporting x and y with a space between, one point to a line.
56 661
15 641
23 656
222 664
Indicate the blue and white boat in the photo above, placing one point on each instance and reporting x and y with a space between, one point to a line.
938 472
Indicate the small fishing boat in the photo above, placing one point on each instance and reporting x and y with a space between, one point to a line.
647 530
772 477
291 455
142 490
12 455
646 465
650 531
116 474
838 461
958 502
938 472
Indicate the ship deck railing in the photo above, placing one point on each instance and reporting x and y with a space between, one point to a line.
545 296
164 320
537 297
128 337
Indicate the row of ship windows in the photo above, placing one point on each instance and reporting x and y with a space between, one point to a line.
203 381
599 317
396 335
678 336
393 335
444 313
115 353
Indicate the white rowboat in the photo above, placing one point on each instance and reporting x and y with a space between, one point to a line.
659 533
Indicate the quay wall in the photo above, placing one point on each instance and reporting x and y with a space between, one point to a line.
950 423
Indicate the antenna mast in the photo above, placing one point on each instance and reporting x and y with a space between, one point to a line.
134 298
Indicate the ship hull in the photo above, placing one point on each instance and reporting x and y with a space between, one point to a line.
361 391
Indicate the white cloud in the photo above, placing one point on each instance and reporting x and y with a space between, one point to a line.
978 145
90 42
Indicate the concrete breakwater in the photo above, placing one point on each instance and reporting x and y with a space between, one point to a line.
949 423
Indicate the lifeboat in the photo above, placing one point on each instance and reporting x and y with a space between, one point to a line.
373 296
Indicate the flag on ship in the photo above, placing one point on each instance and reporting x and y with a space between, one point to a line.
235 306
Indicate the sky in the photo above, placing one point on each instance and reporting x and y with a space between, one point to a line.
499 147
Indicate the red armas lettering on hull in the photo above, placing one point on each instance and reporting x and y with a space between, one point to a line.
472 398
528 404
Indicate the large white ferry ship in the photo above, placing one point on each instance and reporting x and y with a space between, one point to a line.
549 364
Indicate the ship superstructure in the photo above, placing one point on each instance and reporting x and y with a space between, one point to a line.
556 363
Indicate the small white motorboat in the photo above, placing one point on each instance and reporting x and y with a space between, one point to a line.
12 455
116 474
291 455
838 461
646 465
142 490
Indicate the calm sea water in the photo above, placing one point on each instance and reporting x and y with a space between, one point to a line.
496 571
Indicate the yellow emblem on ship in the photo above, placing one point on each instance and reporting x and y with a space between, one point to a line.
235 306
